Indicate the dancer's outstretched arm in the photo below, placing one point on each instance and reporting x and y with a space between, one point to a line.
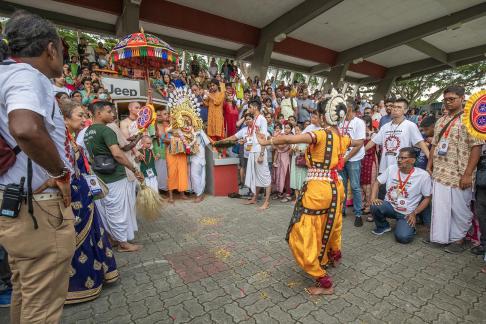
284 139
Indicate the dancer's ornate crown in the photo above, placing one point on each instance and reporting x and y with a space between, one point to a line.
335 108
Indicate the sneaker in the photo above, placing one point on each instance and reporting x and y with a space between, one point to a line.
478 250
5 298
379 232
358 221
455 248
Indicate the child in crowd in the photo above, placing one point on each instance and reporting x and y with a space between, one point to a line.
147 163
369 167
427 129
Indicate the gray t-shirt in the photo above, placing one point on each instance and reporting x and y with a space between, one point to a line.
304 115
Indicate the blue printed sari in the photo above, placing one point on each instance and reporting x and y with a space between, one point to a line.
93 263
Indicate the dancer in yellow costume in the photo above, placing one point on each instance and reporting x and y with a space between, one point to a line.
314 233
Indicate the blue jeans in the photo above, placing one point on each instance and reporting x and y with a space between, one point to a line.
352 171
404 233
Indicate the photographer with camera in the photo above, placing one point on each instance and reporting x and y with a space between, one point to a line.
36 227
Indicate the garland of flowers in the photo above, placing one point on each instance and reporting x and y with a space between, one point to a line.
187 146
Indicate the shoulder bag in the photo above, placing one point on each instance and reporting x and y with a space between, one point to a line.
102 163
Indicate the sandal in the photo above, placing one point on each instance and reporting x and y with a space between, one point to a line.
285 200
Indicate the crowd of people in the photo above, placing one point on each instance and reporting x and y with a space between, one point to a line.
82 164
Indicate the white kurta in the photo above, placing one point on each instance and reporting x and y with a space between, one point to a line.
451 213
117 210
198 164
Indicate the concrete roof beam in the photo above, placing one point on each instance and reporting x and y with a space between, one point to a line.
410 34
430 50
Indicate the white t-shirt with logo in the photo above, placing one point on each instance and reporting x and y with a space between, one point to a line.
259 127
24 87
356 129
251 136
418 185
393 137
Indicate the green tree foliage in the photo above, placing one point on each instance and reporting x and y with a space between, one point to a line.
427 89
71 38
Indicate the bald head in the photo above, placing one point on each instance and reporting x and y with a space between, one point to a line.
133 109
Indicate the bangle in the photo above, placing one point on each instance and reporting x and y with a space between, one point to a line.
271 141
64 177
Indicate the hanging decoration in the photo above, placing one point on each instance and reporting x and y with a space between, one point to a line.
474 116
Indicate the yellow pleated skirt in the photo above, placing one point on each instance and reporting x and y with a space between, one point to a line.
305 237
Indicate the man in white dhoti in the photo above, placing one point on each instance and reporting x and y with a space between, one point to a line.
127 131
454 156
198 166
257 172
108 162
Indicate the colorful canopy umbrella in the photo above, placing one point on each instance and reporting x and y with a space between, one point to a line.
143 51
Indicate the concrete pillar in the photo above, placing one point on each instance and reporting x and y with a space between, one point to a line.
335 78
291 77
261 60
129 21
383 89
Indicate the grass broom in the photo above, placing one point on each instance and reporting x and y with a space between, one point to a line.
149 204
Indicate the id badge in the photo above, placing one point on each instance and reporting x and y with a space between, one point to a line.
150 173
93 184
249 144
443 147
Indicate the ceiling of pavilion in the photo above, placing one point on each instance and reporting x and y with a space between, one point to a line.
343 32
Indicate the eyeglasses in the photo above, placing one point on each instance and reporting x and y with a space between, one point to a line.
450 99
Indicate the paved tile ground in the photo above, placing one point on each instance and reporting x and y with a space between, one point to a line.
221 262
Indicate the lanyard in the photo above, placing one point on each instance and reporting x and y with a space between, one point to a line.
401 185
253 126
149 158
448 130
395 130
344 129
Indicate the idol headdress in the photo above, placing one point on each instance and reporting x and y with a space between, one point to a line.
184 106
184 121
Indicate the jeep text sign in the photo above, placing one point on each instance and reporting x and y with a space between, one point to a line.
121 88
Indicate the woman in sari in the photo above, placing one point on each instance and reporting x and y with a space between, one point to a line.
93 263
314 233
